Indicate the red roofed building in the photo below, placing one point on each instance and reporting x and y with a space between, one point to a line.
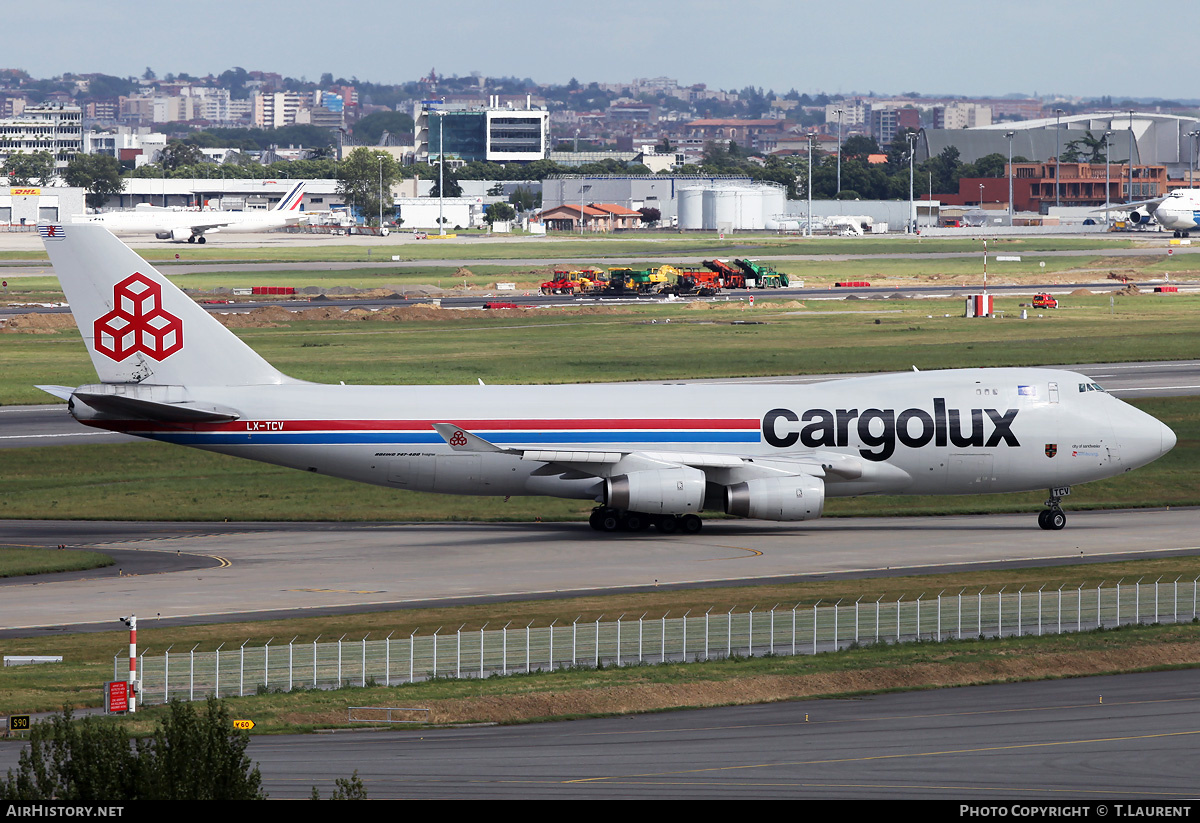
597 217
566 218
619 216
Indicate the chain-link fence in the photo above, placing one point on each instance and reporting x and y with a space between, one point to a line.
193 675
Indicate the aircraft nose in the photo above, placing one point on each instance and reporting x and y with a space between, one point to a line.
1142 437
1168 438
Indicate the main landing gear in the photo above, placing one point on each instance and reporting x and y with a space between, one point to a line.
1052 518
605 519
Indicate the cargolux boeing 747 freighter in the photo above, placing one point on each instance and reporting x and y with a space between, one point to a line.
647 454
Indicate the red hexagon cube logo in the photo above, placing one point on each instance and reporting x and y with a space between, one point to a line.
138 323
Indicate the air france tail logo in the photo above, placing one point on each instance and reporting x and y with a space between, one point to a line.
138 322
879 429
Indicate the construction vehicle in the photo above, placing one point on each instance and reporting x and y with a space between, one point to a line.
765 277
687 281
728 276
625 281
572 282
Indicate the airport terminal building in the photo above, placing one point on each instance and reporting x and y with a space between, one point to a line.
1149 139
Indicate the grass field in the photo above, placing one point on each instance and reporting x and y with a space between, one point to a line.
568 345
16 561
652 243
705 340
88 659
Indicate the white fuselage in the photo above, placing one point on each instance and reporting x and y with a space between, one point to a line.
962 431
1180 211
159 222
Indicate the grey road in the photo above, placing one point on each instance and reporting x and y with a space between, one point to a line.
1116 739
235 571
1127 739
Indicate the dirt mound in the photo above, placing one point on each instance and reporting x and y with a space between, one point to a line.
247 320
38 323
1081 293
783 304
463 271
1130 290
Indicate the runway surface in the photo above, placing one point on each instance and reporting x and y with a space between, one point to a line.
1120 739
1127 739
193 573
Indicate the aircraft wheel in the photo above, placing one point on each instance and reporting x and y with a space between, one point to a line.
1057 520
691 523
1043 519
201 240
596 521
635 522
192 239
667 524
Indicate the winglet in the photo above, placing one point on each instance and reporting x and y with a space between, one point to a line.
462 440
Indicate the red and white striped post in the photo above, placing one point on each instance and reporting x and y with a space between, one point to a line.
131 622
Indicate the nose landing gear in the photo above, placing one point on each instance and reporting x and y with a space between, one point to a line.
1052 518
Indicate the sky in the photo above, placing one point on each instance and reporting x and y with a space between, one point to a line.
933 47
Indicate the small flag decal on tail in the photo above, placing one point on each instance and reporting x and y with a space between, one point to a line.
52 232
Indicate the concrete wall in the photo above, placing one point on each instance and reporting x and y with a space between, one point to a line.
30 205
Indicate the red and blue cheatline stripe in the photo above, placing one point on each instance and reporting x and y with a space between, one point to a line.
416 432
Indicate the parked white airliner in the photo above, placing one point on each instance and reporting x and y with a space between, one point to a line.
647 454
1178 212
181 225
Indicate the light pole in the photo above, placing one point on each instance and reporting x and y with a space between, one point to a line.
808 229
1107 184
1192 159
381 195
1058 113
1129 193
1010 135
981 197
441 172
839 170
912 201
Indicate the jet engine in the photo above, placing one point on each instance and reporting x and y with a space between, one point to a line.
661 491
796 497
1138 219
177 234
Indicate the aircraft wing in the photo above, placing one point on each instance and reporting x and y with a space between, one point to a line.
607 462
210 225
1155 203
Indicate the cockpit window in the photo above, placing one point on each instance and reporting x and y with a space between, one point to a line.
1090 387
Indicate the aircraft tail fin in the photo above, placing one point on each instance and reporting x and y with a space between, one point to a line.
137 325
291 200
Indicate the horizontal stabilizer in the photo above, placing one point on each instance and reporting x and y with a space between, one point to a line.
61 392
154 410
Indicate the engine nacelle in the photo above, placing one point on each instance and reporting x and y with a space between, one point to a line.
177 234
797 497
660 491
1138 219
